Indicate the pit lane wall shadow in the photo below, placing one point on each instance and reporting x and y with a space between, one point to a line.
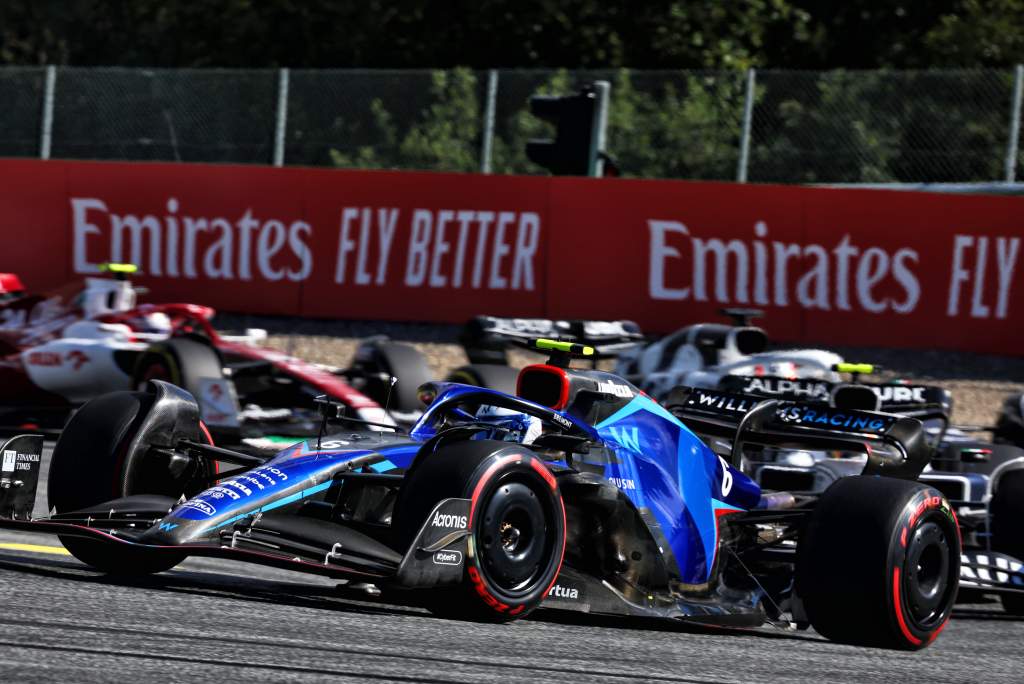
831 266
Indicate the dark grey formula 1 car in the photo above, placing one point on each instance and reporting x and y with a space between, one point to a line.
984 481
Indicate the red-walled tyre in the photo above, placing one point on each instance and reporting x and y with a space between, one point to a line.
878 563
516 526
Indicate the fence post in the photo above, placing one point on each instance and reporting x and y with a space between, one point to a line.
46 130
282 117
598 140
488 134
748 116
1012 143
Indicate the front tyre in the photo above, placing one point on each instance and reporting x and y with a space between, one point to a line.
97 459
878 563
516 523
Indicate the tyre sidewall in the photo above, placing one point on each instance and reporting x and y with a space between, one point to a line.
927 506
491 475
849 554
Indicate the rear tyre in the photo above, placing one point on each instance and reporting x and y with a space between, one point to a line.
92 463
516 523
1007 508
1010 423
492 376
878 563
395 360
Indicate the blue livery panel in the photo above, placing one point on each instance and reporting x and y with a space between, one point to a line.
296 473
668 470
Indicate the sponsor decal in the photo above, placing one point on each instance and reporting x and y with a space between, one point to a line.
561 420
504 250
217 402
566 592
199 505
259 473
10 459
927 503
167 527
221 492
239 486
76 358
25 461
457 522
276 471
750 251
457 247
615 389
900 394
684 266
817 417
448 557
39 358
809 389
622 483
254 481
818 390
259 479
721 402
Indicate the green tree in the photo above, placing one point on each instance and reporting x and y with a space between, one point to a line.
444 137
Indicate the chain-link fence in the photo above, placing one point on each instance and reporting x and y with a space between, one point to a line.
769 126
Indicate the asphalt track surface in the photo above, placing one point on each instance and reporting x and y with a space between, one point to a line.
211 620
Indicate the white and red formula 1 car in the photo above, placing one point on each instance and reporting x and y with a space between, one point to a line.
60 350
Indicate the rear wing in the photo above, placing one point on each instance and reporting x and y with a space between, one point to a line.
486 338
924 402
895 445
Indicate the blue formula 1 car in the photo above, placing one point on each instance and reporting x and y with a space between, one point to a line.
578 493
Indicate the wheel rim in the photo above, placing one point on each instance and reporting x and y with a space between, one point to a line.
515 543
927 584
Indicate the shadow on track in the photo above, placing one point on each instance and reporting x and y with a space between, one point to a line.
270 592
568 618
206 583
996 614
